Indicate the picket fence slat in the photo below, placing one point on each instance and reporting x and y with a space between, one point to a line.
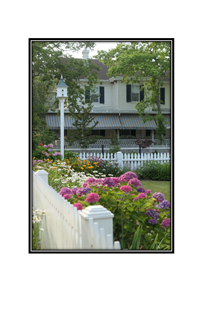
64 226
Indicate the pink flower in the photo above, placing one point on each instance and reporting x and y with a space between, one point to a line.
50 145
165 223
116 180
78 206
126 189
135 182
64 190
67 196
127 176
141 195
92 197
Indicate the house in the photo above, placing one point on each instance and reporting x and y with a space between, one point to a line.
115 110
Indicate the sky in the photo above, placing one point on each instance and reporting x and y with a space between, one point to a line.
99 46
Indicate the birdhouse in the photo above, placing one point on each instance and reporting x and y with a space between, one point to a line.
62 89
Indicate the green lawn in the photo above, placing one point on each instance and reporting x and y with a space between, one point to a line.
158 186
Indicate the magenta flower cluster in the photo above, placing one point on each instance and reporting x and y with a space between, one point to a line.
125 189
135 182
64 191
109 182
165 223
158 196
92 197
127 176
78 206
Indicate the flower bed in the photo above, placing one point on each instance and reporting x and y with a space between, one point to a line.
134 208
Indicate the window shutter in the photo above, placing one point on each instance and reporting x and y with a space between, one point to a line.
87 95
128 93
102 96
162 95
141 94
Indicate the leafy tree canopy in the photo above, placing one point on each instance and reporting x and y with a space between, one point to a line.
146 63
49 62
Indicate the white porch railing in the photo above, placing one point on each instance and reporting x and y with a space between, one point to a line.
123 143
67 228
131 160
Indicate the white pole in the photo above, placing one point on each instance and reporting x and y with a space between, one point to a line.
62 127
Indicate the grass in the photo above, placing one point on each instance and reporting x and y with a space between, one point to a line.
157 186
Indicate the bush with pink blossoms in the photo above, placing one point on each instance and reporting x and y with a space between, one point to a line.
132 206
92 197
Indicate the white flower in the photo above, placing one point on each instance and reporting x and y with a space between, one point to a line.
42 229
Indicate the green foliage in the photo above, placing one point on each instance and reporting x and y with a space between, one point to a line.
47 67
114 144
154 170
146 63
69 154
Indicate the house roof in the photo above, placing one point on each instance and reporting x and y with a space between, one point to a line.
102 74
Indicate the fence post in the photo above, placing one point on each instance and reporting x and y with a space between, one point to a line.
100 215
43 174
120 159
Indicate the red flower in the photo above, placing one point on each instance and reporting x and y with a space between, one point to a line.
37 135
41 144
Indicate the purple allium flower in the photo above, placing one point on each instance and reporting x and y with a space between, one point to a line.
78 206
166 223
108 182
40 161
64 191
126 189
135 182
92 197
164 204
50 145
153 221
49 150
158 196
67 196
152 213
141 190
45 146
141 195
127 176
74 190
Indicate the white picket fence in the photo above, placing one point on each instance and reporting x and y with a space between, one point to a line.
67 228
126 159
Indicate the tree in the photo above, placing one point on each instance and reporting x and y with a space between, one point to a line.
48 63
146 63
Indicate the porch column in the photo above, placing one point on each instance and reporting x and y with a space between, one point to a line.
152 132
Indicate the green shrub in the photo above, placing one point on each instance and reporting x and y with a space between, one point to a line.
154 170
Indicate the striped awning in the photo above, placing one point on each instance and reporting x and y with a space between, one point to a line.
105 122
134 121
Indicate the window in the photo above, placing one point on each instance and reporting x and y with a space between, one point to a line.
162 95
97 91
134 93
98 133
148 133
